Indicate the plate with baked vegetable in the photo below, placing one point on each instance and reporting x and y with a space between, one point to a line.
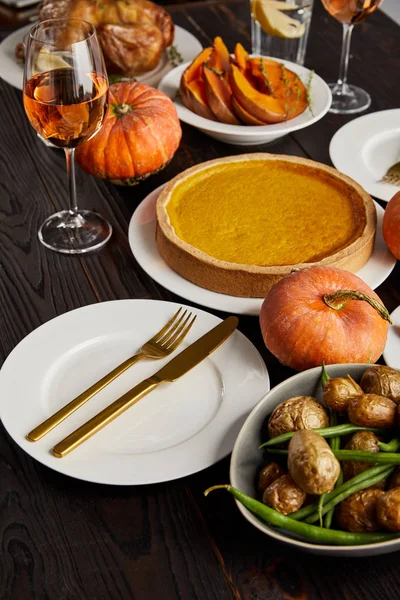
316 464
243 99
138 38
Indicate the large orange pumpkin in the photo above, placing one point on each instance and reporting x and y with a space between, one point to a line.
315 315
139 136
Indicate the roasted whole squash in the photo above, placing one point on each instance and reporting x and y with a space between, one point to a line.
139 136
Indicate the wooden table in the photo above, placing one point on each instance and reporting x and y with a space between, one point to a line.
66 539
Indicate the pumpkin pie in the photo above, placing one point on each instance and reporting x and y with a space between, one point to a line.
237 225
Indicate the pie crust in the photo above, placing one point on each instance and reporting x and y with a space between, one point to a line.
326 202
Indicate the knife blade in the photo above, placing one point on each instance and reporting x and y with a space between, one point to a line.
173 370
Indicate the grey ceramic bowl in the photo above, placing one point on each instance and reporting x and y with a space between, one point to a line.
247 459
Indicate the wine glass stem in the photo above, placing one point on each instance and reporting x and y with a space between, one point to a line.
70 159
344 57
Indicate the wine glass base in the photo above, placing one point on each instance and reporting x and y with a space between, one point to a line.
348 99
75 233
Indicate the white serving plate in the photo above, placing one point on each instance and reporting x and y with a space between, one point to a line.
141 235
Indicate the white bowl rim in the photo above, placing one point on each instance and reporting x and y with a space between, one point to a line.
324 548
256 131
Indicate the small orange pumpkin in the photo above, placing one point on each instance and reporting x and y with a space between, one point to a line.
139 136
391 225
314 316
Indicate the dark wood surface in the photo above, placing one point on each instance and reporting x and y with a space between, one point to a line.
66 539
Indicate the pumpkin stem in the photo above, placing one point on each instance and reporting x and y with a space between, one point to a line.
120 110
337 300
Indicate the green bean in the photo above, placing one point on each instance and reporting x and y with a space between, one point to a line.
318 514
306 511
310 532
335 445
326 432
392 446
320 509
331 512
380 458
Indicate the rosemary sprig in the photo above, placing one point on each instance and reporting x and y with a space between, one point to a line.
175 57
265 76
308 92
298 92
216 71
287 89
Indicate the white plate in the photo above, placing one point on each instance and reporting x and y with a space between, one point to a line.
391 353
176 430
248 135
141 234
366 147
12 72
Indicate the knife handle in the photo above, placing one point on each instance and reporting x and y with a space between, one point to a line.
68 409
111 412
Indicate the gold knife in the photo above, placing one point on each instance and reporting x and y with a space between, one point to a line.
173 370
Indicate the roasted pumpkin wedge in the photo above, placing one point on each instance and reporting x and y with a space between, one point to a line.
263 107
219 96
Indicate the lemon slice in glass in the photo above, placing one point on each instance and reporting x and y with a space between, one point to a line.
274 22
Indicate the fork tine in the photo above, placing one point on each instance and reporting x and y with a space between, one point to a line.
162 331
174 343
174 334
164 338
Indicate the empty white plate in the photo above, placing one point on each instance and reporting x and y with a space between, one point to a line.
391 353
365 148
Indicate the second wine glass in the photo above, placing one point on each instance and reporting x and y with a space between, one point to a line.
348 99
65 99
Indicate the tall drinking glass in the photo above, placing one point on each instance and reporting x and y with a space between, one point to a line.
65 99
280 28
348 99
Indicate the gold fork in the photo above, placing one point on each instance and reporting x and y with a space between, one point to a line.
392 175
163 343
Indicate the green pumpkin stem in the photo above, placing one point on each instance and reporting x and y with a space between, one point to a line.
336 301
120 110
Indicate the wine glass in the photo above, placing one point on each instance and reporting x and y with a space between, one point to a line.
348 99
65 98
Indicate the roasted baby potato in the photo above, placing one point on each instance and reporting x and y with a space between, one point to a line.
311 463
284 495
394 480
388 509
358 513
362 440
338 391
300 412
371 410
268 475
383 381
